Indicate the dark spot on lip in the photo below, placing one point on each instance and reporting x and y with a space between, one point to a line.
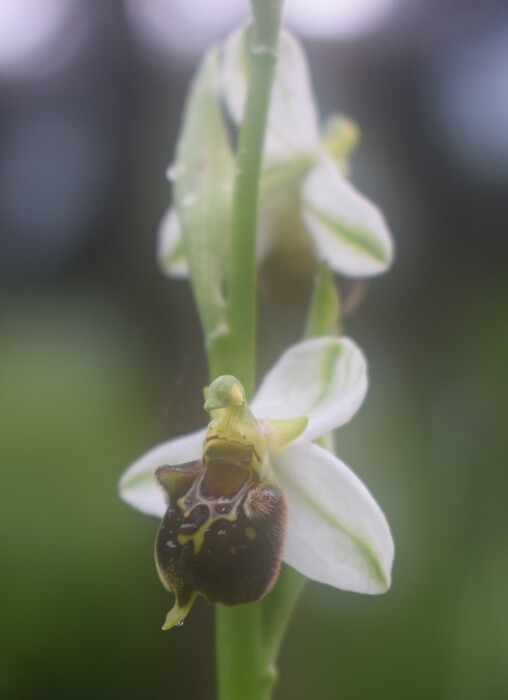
200 514
223 507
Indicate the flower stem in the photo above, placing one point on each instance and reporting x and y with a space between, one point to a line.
277 608
240 672
241 283
243 669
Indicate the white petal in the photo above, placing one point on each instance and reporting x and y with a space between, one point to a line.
292 118
337 534
170 248
234 74
349 231
324 379
138 486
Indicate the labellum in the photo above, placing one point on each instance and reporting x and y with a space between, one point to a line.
223 532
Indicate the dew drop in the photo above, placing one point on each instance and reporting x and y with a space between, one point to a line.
188 528
175 171
262 50
223 507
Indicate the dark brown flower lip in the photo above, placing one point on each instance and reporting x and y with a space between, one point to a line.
224 544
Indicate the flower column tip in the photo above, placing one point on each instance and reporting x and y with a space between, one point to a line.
223 392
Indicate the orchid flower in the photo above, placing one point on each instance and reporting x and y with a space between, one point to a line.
253 488
303 171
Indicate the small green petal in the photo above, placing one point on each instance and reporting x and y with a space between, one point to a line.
340 138
280 433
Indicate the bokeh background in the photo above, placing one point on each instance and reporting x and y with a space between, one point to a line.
101 357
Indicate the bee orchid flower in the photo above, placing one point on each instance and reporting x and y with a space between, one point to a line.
254 489
304 175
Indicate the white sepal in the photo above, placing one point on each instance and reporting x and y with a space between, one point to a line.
337 533
235 73
203 183
348 230
292 118
324 379
138 486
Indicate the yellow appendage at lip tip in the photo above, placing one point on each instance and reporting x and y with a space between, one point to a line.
177 614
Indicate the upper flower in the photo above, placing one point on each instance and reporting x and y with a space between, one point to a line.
250 462
302 171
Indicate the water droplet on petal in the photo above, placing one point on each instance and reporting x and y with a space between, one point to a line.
175 171
262 50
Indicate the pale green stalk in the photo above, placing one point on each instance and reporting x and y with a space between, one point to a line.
243 670
241 282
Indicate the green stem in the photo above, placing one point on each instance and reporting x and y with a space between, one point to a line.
248 640
239 654
277 608
243 670
241 283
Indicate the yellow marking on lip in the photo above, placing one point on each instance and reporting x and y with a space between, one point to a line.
197 538
194 497
250 533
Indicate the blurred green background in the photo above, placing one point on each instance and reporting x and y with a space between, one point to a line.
101 357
